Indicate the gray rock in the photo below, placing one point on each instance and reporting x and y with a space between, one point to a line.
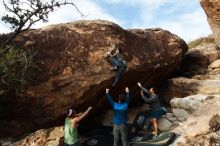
172 119
215 64
169 114
182 87
164 124
164 116
181 119
190 103
176 123
180 113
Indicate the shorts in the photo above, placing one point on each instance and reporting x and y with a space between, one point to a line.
157 114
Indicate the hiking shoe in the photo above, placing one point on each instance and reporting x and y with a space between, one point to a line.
155 134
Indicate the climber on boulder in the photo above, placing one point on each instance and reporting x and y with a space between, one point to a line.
154 103
118 63
71 137
120 116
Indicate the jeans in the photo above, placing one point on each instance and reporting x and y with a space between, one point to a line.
120 65
76 144
120 130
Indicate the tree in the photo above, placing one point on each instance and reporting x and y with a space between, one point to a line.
24 13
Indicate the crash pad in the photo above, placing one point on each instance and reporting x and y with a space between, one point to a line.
163 139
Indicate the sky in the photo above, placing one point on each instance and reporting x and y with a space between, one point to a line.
185 18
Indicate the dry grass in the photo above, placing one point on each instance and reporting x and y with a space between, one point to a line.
199 41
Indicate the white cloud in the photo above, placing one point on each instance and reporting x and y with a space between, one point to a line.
94 11
189 26
4 28
69 13
184 18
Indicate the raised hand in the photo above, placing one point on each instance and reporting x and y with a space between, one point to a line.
106 90
89 108
126 89
139 84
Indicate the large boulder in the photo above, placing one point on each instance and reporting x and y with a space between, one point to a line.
212 10
180 113
71 69
197 59
183 107
182 87
197 125
190 102
43 137
215 64
164 124
199 63
212 73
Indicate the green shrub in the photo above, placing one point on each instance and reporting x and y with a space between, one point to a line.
14 65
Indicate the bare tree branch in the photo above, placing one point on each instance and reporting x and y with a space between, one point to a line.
68 3
22 15
36 9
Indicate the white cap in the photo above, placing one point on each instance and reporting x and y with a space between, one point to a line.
70 112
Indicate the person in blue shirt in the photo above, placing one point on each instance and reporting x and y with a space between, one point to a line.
120 116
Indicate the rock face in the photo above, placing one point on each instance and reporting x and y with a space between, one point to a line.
215 64
183 107
212 9
164 124
181 87
200 73
199 58
197 125
181 110
73 71
43 137
202 85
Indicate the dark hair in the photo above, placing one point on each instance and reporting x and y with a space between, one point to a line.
155 91
121 97
119 50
